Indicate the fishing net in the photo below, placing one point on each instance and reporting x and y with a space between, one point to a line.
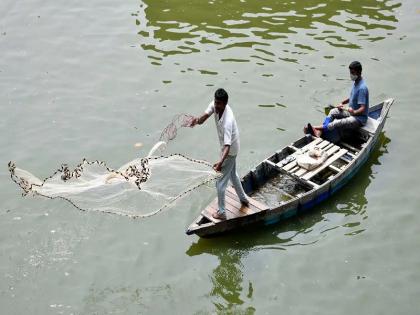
140 188
171 131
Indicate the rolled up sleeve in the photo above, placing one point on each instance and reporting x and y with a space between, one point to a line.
210 109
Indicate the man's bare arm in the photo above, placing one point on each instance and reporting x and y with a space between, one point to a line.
358 111
218 166
203 118
341 105
200 120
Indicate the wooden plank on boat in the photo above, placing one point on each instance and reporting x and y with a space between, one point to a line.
325 164
333 150
293 170
231 210
315 142
233 205
330 149
237 204
301 172
329 146
303 149
310 145
349 147
259 206
289 166
208 211
323 144
307 147
269 162
336 169
251 208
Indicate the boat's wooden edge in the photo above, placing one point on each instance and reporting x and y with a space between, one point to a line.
195 226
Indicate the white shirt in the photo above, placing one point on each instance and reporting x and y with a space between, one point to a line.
227 130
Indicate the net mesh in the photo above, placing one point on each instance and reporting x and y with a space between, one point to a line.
171 131
140 188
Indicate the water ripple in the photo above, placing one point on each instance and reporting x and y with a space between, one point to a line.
167 29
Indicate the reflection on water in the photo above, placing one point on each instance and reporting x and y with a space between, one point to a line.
267 31
229 293
346 210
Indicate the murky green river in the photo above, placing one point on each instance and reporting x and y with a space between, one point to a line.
91 78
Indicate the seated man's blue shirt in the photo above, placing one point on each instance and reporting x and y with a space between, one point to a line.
360 96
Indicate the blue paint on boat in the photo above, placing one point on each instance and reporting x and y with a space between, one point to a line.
282 216
273 220
289 213
314 201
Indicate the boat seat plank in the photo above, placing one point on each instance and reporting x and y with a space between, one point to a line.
325 164
295 169
323 144
333 150
315 142
289 166
301 172
329 146
305 148
349 147
318 142
336 169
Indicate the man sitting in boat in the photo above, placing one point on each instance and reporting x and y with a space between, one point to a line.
228 133
341 118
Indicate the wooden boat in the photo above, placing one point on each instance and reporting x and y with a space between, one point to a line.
344 159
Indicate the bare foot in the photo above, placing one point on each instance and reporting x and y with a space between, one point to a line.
219 216
318 133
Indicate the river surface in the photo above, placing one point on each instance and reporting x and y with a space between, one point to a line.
92 78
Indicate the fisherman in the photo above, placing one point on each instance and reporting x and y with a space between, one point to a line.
355 116
228 133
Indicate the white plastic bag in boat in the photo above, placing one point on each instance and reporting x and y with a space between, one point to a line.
311 159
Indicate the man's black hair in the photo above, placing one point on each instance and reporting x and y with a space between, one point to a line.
221 95
355 65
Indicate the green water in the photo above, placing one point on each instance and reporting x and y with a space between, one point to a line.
92 78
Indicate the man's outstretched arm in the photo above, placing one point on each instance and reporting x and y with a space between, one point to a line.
200 120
